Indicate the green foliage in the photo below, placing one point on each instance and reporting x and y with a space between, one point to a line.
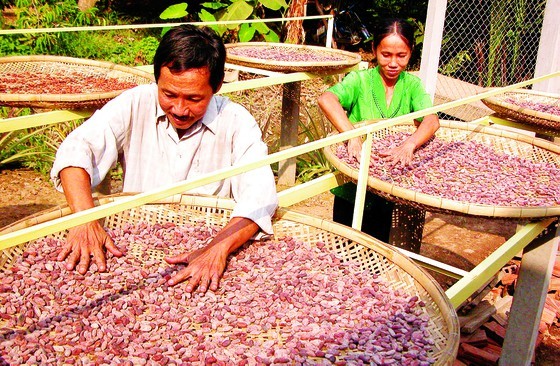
313 164
456 63
33 147
231 10
46 143
126 47
18 147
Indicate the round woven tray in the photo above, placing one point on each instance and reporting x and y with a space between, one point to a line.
509 104
284 57
66 68
535 149
348 244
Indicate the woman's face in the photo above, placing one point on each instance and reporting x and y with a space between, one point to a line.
392 55
184 96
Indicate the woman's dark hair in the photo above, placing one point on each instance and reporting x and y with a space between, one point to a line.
187 47
396 26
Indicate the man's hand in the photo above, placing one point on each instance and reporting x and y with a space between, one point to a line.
85 242
205 267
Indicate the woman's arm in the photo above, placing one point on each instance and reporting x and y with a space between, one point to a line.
330 105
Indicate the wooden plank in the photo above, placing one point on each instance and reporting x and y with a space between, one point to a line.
528 302
486 269
289 131
495 331
477 317
477 338
477 355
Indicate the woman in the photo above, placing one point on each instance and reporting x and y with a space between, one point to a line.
385 91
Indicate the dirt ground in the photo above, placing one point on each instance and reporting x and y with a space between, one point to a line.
459 241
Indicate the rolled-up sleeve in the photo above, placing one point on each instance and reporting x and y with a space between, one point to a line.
254 191
93 146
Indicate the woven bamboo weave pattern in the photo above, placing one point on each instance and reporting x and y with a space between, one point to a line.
519 106
501 142
350 245
283 57
69 71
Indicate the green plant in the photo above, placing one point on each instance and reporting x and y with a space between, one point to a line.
228 10
47 143
34 147
314 163
128 47
17 146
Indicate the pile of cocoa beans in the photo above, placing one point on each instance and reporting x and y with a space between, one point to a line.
66 82
280 302
285 54
466 171
536 106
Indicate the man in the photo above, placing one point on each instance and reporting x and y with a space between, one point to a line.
174 130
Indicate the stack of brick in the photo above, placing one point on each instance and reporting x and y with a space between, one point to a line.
484 323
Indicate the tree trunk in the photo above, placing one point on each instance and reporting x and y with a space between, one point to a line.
294 28
84 5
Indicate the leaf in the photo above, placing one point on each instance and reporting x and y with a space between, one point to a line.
214 5
175 11
271 37
164 30
206 16
246 32
262 28
239 10
274 4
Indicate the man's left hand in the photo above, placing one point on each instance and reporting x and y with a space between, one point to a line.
204 269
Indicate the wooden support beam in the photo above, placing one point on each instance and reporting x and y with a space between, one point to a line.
289 131
529 298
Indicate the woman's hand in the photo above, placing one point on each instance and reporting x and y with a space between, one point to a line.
86 243
401 154
355 148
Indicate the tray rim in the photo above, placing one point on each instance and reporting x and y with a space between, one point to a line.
445 205
40 100
351 58
217 205
514 111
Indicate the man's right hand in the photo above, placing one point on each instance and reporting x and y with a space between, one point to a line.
86 243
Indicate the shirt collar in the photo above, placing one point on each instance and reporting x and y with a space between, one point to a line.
211 114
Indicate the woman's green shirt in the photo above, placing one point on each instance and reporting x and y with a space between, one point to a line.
362 95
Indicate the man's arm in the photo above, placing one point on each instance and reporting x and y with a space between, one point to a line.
87 240
206 265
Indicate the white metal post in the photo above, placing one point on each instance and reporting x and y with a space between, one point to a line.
548 58
330 28
432 44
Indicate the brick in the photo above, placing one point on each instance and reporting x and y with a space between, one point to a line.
477 355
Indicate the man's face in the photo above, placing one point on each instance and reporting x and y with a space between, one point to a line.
184 96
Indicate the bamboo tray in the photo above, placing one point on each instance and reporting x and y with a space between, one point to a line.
66 70
285 57
535 149
350 245
509 105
